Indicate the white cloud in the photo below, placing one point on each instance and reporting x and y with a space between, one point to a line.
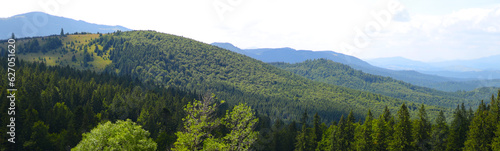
468 30
464 34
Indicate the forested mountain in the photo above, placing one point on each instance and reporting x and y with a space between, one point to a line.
150 77
55 105
289 55
327 71
36 24
174 61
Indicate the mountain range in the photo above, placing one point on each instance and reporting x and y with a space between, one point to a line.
247 76
475 69
36 24
431 80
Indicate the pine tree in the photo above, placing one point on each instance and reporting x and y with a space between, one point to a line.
12 36
421 130
62 32
478 133
402 138
439 133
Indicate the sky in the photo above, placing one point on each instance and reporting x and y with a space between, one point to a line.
423 30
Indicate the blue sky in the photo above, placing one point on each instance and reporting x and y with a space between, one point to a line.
424 30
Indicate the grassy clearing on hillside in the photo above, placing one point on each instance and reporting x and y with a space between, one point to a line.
72 45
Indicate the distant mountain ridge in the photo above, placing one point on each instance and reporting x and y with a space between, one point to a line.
289 55
35 24
486 68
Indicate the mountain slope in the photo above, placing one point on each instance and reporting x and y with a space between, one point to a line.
327 71
174 61
289 55
41 24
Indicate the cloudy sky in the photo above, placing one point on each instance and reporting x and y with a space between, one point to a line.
425 30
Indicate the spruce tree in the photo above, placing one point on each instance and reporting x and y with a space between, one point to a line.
339 141
317 131
363 136
380 134
402 138
458 130
421 130
439 133
477 137
349 130
387 114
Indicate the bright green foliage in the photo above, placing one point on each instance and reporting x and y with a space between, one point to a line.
402 138
122 135
477 137
241 121
492 119
422 130
439 133
363 138
495 145
198 124
380 135
327 139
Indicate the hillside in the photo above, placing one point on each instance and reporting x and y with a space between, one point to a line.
327 71
36 24
56 105
289 55
174 61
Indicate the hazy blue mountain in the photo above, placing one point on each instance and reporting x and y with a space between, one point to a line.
290 55
41 24
477 69
484 64
400 63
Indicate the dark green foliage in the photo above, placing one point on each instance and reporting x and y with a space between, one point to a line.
439 133
478 136
363 136
59 104
402 137
327 71
458 130
422 130
174 61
